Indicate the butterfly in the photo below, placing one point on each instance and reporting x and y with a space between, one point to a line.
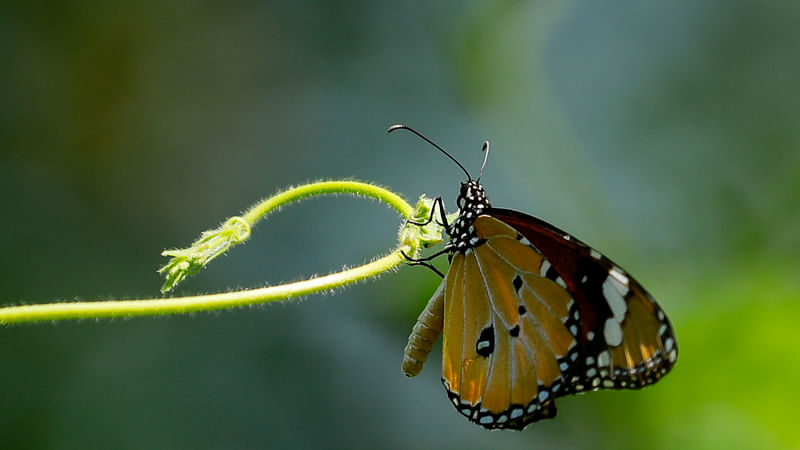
529 313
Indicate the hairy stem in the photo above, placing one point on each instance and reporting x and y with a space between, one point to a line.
234 231
159 306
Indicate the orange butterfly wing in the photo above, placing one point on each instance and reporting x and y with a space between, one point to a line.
531 314
626 340
504 331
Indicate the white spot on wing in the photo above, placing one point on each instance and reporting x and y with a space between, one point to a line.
668 345
614 293
545 267
612 332
616 272
673 355
603 359
595 254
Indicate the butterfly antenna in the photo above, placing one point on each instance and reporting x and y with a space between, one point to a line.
485 150
408 128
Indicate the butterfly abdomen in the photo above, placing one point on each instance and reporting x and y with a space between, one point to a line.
425 332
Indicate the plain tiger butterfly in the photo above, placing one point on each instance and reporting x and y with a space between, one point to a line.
528 314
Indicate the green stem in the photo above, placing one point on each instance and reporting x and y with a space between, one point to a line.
159 306
212 243
265 207
235 230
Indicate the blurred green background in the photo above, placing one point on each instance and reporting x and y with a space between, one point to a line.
664 134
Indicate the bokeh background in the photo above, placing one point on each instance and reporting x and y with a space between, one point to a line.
666 135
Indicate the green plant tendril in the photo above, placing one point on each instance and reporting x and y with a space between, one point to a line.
235 230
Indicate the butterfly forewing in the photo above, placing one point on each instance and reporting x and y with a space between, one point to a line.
624 338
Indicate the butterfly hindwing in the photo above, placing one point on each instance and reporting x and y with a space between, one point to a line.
506 331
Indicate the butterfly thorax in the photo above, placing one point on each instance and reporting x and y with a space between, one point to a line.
471 203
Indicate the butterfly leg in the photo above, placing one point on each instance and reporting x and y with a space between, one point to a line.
423 262
436 202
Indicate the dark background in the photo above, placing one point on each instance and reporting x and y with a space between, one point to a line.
665 135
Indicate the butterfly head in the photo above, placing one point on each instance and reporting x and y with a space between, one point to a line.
471 203
472 198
